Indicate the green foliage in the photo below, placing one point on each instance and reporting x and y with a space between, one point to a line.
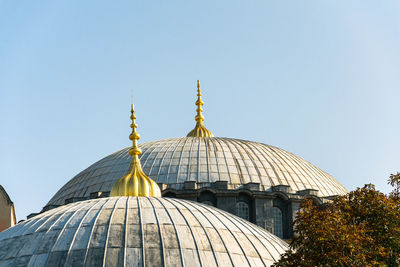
361 228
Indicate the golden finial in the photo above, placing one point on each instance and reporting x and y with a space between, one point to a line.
200 130
135 182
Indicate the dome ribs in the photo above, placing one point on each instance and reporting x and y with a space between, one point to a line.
241 173
232 235
306 173
293 179
141 231
108 225
92 229
212 157
159 233
157 178
204 231
198 178
219 140
279 175
238 224
174 226
125 241
243 145
205 160
263 182
218 233
180 159
190 229
129 231
264 161
168 178
78 228
217 230
207 147
154 164
242 224
190 165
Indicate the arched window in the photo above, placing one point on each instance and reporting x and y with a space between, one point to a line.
278 226
169 194
209 203
207 197
242 210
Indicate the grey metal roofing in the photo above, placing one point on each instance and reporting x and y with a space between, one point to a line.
138 231
205 160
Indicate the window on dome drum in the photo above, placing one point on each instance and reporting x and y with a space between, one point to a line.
242 210
278 226
209 203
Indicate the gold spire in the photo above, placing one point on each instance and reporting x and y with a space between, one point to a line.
200 130
135 182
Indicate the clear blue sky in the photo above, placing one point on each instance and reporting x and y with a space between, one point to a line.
320 79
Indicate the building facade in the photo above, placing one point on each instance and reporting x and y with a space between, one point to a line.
7 212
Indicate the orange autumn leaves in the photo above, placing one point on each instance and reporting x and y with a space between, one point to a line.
361 228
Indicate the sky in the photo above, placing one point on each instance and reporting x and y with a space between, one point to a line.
317 78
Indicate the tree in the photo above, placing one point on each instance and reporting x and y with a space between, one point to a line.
361 228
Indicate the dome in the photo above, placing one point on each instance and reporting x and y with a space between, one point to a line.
205 160
138 231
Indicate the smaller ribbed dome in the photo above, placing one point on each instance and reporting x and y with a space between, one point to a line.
138 231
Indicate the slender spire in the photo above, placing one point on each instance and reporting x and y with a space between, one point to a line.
200 130
135 182
199 103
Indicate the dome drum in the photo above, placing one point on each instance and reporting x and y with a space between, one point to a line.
218 194
226 199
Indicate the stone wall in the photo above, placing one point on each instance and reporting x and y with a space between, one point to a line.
261 203
7 213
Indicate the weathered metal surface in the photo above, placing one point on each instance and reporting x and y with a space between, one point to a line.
138 231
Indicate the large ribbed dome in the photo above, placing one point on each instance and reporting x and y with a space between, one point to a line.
205 160
138 231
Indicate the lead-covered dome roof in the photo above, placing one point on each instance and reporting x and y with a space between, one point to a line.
205 160
138 231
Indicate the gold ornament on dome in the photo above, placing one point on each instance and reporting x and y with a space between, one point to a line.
135 183
200 130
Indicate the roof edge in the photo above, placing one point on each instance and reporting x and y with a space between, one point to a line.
2 190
